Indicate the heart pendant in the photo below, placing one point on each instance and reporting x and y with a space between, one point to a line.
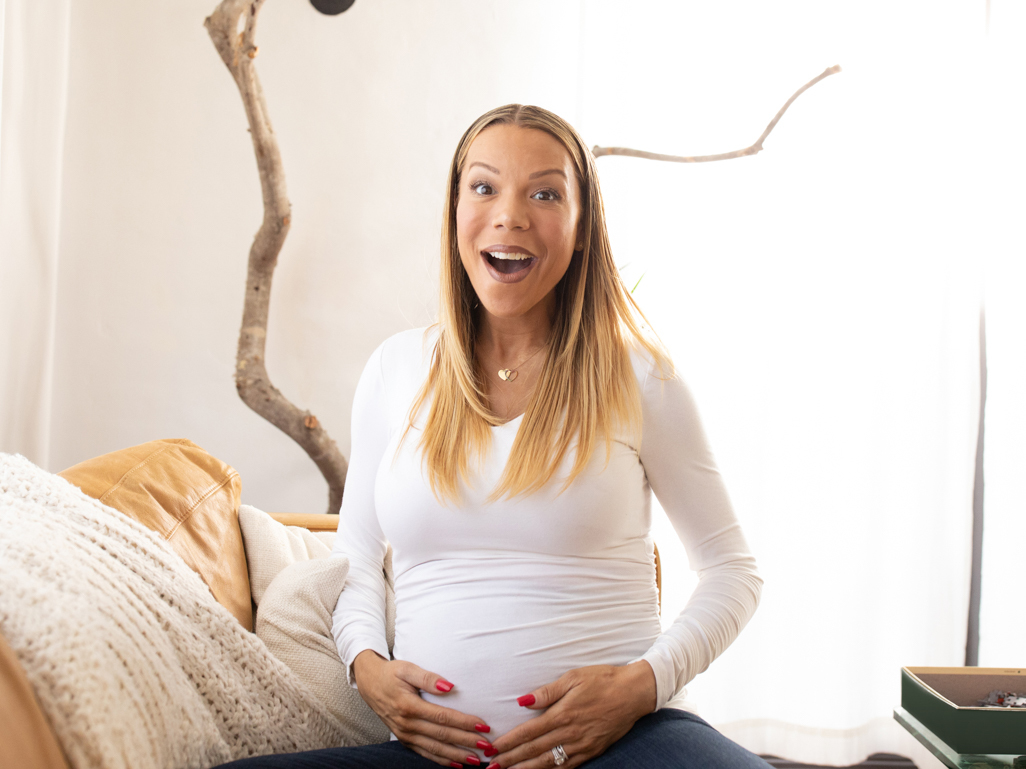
507 375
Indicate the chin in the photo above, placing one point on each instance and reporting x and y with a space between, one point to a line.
500 308
505 312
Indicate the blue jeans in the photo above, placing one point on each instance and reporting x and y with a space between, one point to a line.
667 738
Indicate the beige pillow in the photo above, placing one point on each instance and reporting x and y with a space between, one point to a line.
294 620
295 586
189 498
271 546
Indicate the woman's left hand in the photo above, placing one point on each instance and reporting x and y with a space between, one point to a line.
586 711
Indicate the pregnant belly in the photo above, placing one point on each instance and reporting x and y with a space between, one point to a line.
500 636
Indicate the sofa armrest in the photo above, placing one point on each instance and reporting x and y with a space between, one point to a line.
26 739
312 521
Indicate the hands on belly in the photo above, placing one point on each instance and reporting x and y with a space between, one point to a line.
586 711
392 689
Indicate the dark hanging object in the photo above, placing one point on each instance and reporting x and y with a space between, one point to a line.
332 7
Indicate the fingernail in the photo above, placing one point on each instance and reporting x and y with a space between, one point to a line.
489 752
443 686
484 744
474 760
455 765
482 728
493 765
526 700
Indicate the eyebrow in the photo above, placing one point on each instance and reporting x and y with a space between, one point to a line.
558 171
535 175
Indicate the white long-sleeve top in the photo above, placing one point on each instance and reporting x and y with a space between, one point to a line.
502 597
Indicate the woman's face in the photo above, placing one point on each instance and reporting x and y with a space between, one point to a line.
517 218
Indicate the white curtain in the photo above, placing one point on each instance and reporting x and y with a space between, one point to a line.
1003 606
34 97
1003 603
822 298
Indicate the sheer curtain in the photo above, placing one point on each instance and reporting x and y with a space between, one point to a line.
34 97
822 299
1003 608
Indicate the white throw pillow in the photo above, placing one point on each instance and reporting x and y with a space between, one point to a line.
271 546
296 584
294 620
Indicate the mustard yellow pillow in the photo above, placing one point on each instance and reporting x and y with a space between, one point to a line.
189 498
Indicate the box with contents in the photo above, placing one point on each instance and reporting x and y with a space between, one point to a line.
948 702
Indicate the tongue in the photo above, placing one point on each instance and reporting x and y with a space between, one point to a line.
509 266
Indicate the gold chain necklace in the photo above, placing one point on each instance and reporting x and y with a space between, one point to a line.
509 374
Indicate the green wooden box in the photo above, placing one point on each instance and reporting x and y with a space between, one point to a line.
946 701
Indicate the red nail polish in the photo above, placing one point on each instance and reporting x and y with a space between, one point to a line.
455 765
484 744
474 760
526 700
482 727
443 686
489 752
493 765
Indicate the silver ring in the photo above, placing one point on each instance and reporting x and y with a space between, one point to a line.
559 754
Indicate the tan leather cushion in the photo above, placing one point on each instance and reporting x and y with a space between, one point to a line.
188 497
26 740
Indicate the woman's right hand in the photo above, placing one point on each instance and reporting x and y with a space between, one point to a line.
392 689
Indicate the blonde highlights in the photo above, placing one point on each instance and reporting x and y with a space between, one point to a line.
587 390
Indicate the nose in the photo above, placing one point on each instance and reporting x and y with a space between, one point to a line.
511 214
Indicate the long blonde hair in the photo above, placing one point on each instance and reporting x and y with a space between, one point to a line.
587 389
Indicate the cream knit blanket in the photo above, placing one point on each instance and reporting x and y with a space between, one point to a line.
131 658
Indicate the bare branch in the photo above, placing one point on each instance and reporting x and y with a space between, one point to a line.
232 27
757 147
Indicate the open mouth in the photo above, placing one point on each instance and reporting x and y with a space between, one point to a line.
508 264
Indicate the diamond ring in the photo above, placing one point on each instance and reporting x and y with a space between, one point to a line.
559 754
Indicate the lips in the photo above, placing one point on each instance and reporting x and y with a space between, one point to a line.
508 265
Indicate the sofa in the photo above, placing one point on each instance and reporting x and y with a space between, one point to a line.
148 618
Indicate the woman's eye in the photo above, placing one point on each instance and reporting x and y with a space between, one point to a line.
547 195
482 188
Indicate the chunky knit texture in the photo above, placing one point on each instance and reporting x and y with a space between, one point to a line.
131 658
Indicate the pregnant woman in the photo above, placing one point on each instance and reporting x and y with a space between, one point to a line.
509 454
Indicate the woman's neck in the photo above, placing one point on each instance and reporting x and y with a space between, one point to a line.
510 357
512 339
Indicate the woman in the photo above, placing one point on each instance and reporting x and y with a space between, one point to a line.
507 456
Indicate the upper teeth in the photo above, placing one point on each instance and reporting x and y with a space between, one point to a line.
504 255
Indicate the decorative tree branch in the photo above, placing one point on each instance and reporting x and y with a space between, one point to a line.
232 27
757 147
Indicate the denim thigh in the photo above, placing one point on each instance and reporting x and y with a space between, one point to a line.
385 755
674 739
